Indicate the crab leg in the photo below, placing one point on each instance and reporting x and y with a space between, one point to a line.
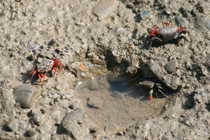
54 70
154 38
185 30
60 65
162 92
40 78
29 73
33 73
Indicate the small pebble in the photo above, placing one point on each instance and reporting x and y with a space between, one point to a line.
30 132
26 95
93 85
39 60
32 47
130 5
181 21
145 14
37 119
57 117
171 66
104 8
11 125
204 70
58 87
73 125
95 102
118 95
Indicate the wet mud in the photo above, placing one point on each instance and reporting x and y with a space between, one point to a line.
122 104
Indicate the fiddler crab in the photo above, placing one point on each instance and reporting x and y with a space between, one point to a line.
44 67
167 33
152 88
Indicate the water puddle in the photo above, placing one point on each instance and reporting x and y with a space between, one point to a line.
115 103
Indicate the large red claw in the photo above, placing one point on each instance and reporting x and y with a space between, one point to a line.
152 32
180 29
156 30
57 63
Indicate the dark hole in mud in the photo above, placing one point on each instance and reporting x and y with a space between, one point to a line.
189 103
116 103
159 44
208 106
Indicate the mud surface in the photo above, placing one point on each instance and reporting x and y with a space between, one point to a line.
91 38
122 105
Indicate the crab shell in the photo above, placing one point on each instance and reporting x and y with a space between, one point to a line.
170 33
45 66
167 33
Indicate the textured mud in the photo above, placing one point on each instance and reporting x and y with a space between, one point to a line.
116 105
92 37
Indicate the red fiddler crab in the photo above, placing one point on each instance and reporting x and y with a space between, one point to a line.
44 67
167 33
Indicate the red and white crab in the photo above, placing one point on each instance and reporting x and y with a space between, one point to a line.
167 33
44 67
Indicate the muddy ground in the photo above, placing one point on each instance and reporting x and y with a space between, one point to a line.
104 54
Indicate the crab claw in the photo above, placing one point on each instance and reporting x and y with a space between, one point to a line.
149 97
150 94
56 63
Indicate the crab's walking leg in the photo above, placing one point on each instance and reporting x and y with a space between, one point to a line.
33 73
40 77
43 76
184 29
29 73
181 37
54 70
150 44
162 92
154 38
60 65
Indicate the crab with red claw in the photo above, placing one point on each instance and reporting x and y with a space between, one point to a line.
44 67
167 33
153 88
